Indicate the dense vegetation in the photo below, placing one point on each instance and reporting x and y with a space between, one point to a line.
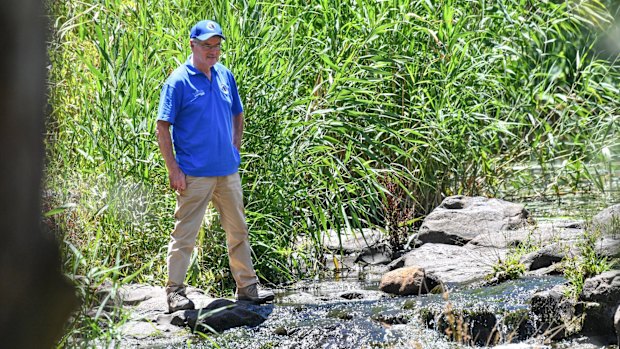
358 113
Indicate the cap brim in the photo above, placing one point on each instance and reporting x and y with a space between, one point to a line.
204 37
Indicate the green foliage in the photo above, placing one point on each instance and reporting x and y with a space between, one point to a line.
585 264
99 317
510 267
442 98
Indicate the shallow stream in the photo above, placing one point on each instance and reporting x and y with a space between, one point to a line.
377 321
352 313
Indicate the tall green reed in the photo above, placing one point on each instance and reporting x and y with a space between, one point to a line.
342 97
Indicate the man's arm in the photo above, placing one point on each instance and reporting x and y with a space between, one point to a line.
175 175
237 130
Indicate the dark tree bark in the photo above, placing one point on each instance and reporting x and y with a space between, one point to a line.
35 300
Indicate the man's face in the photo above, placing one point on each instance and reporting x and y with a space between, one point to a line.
206 53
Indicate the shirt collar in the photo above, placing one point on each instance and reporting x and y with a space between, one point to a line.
191 70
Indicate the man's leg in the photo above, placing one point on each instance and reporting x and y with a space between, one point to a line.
228 200
189 214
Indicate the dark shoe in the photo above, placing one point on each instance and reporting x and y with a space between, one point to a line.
254 294
177 300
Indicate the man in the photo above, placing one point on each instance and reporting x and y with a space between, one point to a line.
201 102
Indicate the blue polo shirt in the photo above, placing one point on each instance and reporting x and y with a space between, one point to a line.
201 111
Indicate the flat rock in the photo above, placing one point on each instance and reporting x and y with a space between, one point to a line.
540 234
608 220
460 219
452 264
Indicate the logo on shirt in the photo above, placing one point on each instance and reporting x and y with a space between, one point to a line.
224 88
198 93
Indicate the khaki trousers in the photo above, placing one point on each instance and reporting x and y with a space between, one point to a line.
227 197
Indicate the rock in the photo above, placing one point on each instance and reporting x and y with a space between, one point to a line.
135 294
452 264
351 295
603 288
341 263
517 325
392 317
591 315
564 233
608 220
460 219
377 255
466 326
609 247
299 298
339 314
348 250
617 325
601 294
218 316
283 331
554 269
555 314
143 330
545 257
149 321
408 281
351 241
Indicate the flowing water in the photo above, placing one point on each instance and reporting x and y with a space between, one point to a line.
321 318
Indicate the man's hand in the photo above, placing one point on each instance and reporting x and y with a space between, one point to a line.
237 131
175 175
177 180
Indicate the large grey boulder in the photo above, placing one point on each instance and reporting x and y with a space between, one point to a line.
608 220
601 293
452 264
460 219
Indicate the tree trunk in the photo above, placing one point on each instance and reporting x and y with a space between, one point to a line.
35 299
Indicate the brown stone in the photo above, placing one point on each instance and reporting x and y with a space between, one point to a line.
408 281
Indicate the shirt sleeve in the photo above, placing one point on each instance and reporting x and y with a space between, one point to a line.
169 103
237 106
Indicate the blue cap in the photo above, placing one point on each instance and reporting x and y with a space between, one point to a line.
203 30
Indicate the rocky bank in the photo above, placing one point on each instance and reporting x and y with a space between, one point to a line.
458 245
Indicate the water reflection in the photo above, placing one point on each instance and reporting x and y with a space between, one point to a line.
546 195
